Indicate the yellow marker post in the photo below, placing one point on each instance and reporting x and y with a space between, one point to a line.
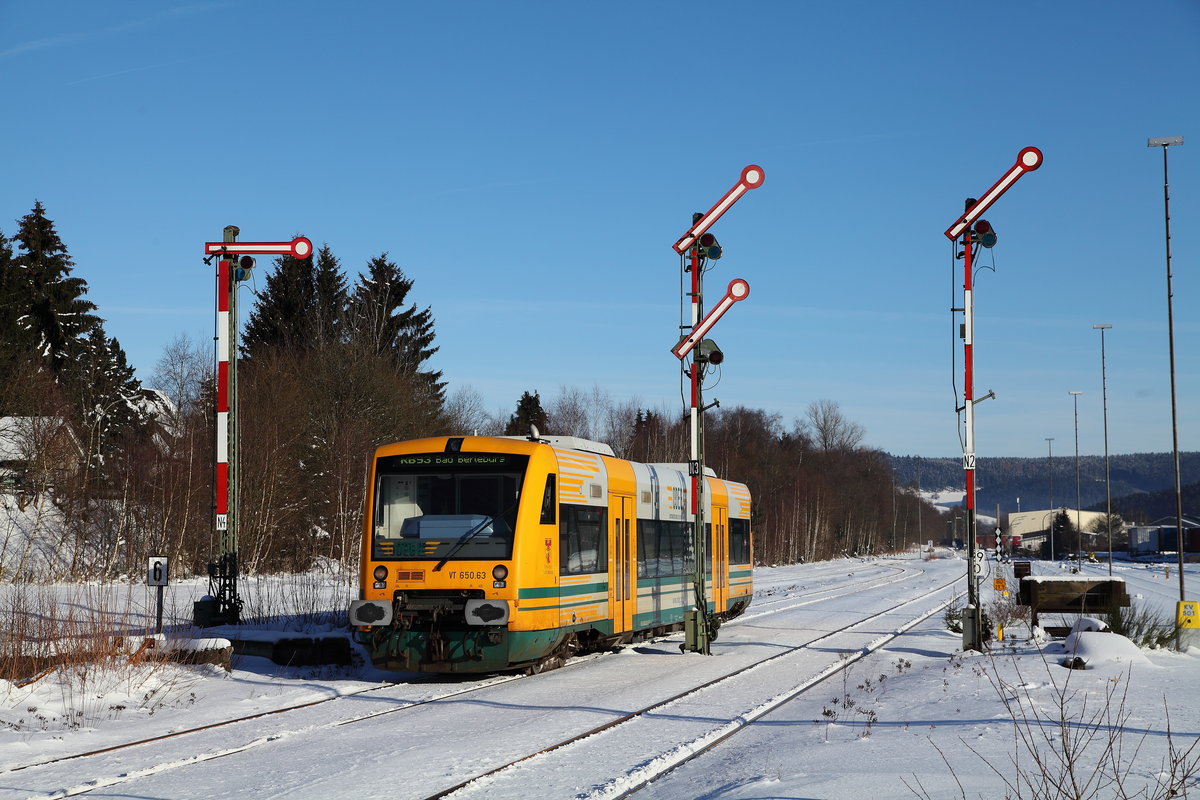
1187 620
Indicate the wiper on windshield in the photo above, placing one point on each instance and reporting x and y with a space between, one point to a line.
462 540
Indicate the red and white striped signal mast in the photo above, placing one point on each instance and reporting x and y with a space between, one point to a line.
234 262
701 245
974 230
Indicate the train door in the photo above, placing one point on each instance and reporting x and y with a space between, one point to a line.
622 577
720 558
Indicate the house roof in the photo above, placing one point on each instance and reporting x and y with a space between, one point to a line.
19 435
1169 522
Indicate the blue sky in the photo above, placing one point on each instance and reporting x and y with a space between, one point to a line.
530 164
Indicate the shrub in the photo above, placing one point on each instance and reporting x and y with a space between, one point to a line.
952 618
1141 625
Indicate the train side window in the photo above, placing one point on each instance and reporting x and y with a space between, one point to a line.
549 501
689 552
739 541
583 540
675 548
648 558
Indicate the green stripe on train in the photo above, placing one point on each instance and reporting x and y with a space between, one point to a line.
562 591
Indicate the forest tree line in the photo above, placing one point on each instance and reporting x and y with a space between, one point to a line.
1049 482
328 370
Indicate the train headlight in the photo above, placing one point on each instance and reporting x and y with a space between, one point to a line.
380 573
499 572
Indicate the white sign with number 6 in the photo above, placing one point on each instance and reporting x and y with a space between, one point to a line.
157 570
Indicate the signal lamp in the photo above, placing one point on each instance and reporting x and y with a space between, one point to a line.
709 353
708 246
499 572
380 573
242 271
985 232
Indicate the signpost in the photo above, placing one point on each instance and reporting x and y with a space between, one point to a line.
974 230
700 246
157 575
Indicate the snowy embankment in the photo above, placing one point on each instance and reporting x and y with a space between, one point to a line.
912 710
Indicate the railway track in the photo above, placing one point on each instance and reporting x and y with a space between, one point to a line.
552 768
475 686
237 736
887 575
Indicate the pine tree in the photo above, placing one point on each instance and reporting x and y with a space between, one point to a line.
329 298
302 306
11 353
649 436
52 314
101 384
379 321
281 313
8 297
529 412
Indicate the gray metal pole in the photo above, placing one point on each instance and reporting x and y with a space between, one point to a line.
1107 474
1165 143
1078 525
1050 472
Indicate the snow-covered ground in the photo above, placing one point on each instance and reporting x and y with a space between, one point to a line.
839 681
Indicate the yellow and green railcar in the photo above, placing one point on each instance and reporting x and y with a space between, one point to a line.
494 553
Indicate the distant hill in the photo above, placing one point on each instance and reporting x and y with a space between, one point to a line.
1002 480
1147 507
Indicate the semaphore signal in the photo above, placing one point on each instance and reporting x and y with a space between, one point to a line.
974 230
699 246
234 262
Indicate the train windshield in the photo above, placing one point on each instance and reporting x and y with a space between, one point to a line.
447 505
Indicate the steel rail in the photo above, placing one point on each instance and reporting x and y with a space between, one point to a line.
655 771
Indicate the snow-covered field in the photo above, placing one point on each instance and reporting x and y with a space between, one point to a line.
841 680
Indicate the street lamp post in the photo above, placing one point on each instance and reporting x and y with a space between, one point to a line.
1102 327
1078 526
1164 142
1048 520
1050 473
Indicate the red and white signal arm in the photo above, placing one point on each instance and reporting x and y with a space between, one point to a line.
157 570
737 291
751 178
300 247
1028 160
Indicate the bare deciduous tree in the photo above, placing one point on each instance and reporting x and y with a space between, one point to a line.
181 372
829 428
